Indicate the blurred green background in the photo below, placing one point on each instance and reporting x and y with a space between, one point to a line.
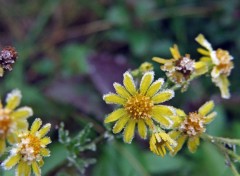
71 51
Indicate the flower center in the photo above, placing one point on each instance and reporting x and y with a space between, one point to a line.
226 65
30 147
139 107
185 65
5 122
193 125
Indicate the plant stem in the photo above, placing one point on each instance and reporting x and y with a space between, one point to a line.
218 142
225 140
232 167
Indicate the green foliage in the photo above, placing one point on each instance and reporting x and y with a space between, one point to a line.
55 40
74 59
76 145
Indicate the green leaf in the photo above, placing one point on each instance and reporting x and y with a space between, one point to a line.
213 162
74 59
57 157
76 145
118 15
120 159
140 42
44 66
63 135
156 164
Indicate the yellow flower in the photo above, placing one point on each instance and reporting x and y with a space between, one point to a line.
139 106
221 63
192 126
27 153
181 69
144 67
12 120
159 141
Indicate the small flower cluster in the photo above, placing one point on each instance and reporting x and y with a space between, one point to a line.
140 100
142 107
27 146
182 69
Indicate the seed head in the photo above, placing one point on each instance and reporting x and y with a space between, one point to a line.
8 57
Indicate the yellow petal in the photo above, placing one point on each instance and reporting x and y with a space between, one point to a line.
36 125
155 87
174 134
1 71
177 120
207 60
114 99
36 169
203 52
45 152
152 143
214 58
209 118
162 120
44 130
180 141
180 112
164 110
129 131
115 115
142 129
163 96
12 138
45 141
175 52
1 106
120 90
149 123
120 124
206 108
146 81
223 83
162 151
22 124
215 72
41 162
11 161
23 169
22 113
2 146
129 83
20 169
13 99
160 60
202 41
200 68
193 143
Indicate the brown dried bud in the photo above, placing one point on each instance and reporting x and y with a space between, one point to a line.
8 57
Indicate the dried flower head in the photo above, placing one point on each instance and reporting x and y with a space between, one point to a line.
8 57
12 120
159 141
30 149
192 126
139 106
180 69
220 63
